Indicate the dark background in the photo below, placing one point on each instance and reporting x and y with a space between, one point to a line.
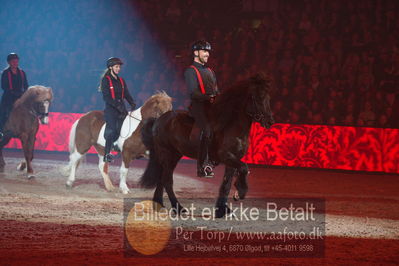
333 62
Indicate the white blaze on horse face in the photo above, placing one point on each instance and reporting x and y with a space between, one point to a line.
129 125
46 105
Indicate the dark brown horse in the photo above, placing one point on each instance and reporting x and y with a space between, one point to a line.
168 139
23 123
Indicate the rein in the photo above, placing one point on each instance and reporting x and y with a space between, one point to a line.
130 124
134 117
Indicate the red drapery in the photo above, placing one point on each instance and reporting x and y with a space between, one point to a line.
318 146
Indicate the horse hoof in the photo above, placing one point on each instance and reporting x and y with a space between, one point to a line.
31 176
231 216
125 191
220 214
222 211
236 197
21 166
68 186
241 191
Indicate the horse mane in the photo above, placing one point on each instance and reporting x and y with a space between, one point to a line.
156 105
159 94
233 100
33 92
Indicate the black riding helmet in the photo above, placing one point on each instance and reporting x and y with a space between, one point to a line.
114 61
12 56
201 45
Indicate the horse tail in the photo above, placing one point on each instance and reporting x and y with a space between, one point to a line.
65 170
72 135
153 172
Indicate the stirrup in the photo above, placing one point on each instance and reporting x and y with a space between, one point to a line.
206 172
108 158
1 136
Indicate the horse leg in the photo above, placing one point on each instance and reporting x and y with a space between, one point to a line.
243 171
104 172
158 194
168 184
122 176
3 143
74 160
241 183
127 157
28 143
22 165
103 167
168 166
221 204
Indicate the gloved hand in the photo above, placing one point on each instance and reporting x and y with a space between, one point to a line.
122 113
121 109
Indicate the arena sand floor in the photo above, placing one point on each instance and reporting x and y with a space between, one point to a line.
44 223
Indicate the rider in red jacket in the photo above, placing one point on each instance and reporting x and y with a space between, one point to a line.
114 92
14 84
201 82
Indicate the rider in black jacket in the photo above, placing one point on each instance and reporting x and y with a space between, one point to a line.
114 92
201 82
14 84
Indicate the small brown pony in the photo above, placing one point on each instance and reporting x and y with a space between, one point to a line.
89 131
168 139
23 123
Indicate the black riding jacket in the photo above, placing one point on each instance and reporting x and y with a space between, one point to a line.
16 86
117 103
209 81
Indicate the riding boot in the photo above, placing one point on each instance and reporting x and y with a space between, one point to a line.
108 157
204 168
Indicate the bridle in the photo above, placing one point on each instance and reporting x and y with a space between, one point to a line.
257 115
41 114
37 113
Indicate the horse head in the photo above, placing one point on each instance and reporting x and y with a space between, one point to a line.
37 99
258 107
156 105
